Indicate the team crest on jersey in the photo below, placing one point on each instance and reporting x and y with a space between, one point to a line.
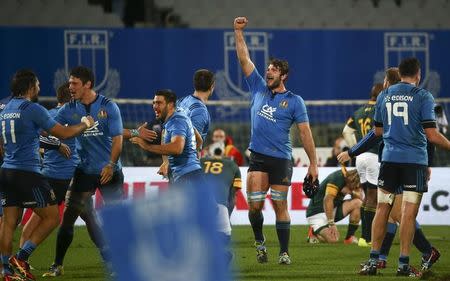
102 114
52 195
284 104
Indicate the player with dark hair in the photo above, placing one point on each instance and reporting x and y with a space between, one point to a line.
58 166
23 185
179 141
405 117
194 106
274 110
367 163
100 167
430 254
328 206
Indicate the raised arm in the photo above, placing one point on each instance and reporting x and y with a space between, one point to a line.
241 48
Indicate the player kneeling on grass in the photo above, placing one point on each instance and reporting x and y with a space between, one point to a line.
329 206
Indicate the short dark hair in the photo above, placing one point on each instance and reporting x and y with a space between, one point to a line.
203 80
409 67
84 74
282 65
63 93
22 81
376 90
169 95
392 75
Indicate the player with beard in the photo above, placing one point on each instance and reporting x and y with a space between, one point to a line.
178 139
23 185
274 110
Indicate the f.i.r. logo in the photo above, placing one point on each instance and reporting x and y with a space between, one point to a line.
400 45
89 48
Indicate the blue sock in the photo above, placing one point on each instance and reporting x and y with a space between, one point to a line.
402 261
375 255
5 262
26 250
257 220
388 240
383 257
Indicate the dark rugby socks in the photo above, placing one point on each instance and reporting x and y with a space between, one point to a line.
369 214
63 241
421 242
352 227
257 220
283 232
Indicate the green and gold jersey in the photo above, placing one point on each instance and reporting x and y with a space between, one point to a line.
362 122
224 175
333 184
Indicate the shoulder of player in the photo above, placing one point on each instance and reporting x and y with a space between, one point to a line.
107 103
28 105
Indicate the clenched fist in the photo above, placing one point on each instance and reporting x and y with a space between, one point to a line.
240 23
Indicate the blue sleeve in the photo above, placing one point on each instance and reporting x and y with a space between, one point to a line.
61 115
41 117
300 113
377 115
114 120
367 142
199 119
427 112
178 127
255 82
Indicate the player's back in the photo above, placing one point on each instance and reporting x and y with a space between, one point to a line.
222 173
55 165
21 121
197 111
404 109
362 122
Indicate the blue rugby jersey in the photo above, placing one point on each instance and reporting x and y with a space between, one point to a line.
94 145
54 164
179 124
272 116
403 110
21 121
197 111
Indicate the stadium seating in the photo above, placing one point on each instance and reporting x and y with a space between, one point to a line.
55 13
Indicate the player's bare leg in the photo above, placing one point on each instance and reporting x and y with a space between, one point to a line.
29 227
7 227
258 184
283 221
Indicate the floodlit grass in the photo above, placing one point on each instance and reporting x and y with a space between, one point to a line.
309 262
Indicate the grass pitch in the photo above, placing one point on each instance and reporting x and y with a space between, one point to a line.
337 262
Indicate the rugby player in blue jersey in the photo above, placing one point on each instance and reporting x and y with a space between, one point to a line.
195 108
178 140
99 149
274 109
23 185
57 165
404 116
